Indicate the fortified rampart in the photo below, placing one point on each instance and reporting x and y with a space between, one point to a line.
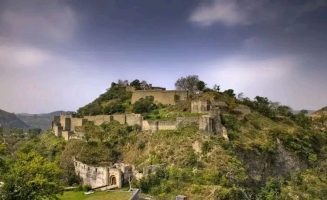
68 127
161 96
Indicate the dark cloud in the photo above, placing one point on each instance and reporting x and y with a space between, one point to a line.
61 54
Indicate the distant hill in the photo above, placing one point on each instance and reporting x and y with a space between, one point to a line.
11 120
42 121
309 111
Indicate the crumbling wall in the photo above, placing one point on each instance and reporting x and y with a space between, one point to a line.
98 119
134 119
67 134
187 121
206 124
57 130
160 96
200 106
90 175
65 121
121 118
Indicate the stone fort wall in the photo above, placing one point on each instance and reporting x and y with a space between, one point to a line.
160 96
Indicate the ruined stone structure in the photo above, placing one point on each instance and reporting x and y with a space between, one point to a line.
104 177
161 95
69 127
101 177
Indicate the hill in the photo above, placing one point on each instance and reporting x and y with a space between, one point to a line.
42 121
268 153
11 120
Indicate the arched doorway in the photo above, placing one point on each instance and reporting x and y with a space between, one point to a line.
113 180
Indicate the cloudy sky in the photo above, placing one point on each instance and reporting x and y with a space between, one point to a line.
61 55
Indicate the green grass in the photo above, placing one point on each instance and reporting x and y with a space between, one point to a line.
79 195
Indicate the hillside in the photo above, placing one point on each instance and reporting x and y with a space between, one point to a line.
269 153
42 121
11 120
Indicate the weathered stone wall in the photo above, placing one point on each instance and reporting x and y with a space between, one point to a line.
77 122
65 121
159 125
120 118
90 175
188 120
200 106
98 119
57 130
134 119
160 96
67 134
206 124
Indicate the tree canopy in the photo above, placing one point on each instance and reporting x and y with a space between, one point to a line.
189 83
31 177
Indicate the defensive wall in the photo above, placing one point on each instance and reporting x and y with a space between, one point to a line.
68 127
161 96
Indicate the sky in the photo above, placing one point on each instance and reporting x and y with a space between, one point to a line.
61 55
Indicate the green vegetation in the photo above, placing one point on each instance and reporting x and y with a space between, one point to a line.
115 195
271 153
31 176
115 100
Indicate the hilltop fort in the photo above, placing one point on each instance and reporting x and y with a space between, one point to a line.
70 127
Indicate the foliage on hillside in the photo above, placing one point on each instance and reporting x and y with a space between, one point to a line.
272 153
115 100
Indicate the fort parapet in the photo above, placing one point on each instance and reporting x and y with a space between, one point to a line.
161 96
69 127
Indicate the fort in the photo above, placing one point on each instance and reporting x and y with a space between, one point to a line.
108 177
161 95
70 127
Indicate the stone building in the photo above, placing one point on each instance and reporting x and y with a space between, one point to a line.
102 176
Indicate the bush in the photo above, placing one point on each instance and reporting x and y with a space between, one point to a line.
87 188
141 146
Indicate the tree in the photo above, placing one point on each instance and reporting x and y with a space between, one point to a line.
188 83
144 84
31 177
200 85
135 83
34 131
144 105
230 93
123 83
216 88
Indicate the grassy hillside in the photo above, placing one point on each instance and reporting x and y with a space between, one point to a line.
11 120
270 153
